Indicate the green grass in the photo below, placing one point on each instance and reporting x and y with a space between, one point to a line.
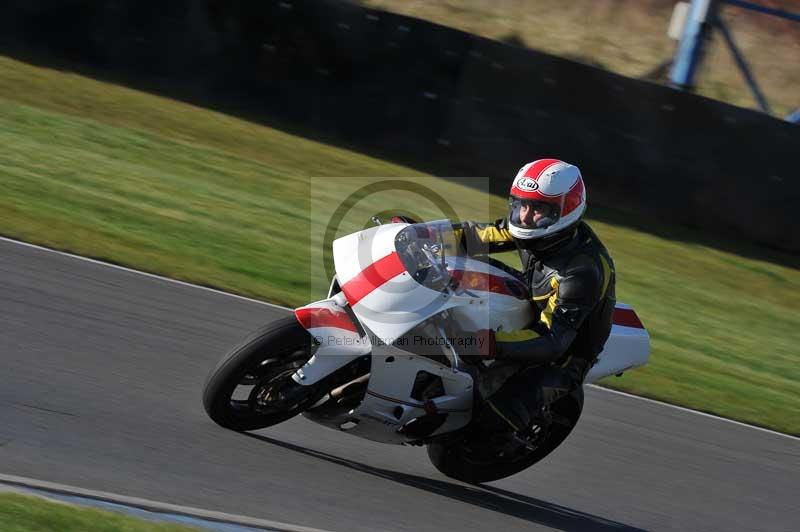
169 188
19 513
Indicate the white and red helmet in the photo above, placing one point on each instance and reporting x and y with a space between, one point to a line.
547 196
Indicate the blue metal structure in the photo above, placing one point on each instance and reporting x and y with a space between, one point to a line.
701 18
744 68
690 48
764 9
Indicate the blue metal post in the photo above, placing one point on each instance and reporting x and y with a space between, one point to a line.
690 47
744 68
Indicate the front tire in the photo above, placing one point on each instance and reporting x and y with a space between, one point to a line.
455 459
260 365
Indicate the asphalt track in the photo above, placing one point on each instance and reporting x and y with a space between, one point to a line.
102 371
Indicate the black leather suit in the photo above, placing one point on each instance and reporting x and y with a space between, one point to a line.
571 280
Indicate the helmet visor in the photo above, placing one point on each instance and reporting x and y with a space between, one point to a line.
532 214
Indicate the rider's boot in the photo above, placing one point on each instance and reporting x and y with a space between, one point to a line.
503 415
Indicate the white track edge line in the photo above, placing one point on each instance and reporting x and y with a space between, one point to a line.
140 272
281 307
698 412
153 506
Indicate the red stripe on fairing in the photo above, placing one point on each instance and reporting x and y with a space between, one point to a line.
372 277
472 280
314 317
627 318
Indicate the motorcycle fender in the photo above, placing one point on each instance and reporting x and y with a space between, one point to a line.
336 335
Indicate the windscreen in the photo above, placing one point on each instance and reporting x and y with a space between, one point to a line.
426 249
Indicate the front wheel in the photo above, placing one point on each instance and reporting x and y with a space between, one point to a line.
244 390
469 460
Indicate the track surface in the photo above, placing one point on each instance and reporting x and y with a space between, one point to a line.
102 371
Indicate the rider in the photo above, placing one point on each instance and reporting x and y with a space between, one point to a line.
571 278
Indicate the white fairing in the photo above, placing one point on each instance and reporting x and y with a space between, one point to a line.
627 347
354 252
337 346
492 310
399 303
389 406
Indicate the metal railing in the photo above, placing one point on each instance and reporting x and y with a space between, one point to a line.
702 17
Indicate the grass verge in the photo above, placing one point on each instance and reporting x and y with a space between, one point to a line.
21 513
169 188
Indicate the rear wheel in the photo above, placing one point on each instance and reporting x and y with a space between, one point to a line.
244 390
475 460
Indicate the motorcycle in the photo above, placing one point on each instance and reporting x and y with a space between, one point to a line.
387 355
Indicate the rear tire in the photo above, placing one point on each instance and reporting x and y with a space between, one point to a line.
453 458
263 362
